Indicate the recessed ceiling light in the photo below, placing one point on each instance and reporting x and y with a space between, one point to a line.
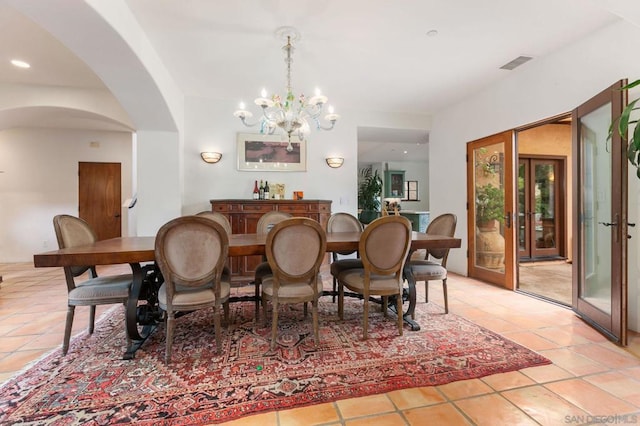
405 152
432 33
20 64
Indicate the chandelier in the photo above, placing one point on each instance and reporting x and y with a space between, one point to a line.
293 116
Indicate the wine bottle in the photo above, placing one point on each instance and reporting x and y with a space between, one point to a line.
266 190
261 191
256 191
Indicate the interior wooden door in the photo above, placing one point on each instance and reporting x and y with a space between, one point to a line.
600 229
541 208
491 209
99 197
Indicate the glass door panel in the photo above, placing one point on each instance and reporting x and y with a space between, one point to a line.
491 200
600 253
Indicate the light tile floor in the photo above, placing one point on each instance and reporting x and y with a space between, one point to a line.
590 378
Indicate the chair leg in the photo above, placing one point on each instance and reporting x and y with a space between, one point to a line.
385 305
170 326
446 298
67 329
216 323
426 291
264 311
306 310
365 318
92 318
225 307
258 299
399 310
340 301
274 323
314 310
335 287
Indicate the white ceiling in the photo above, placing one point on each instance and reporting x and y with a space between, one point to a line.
363 54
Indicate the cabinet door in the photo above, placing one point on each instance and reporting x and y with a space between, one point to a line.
394 184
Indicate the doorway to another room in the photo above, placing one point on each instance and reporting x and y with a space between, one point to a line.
544 210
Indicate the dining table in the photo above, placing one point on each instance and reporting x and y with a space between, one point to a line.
142 313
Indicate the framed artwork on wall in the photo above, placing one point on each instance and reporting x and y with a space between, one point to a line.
257 152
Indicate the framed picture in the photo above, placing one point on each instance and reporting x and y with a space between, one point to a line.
258 152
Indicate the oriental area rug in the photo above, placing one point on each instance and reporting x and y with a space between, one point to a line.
92 384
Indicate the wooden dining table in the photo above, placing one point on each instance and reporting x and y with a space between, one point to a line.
138 251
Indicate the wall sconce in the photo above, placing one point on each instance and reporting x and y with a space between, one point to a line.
334 162
211 157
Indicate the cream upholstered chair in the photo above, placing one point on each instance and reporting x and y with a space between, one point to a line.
72 231
190 252
218 217
343 222
222 220
384 245
295 249
265 223
433 266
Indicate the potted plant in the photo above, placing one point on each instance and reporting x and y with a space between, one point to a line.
369 193
489 206
621 125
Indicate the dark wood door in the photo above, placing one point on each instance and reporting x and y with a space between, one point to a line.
99 197
541 208
600 222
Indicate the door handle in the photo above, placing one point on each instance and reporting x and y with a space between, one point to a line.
117 215
608 223
507 220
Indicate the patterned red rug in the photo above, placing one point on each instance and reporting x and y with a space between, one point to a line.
93 385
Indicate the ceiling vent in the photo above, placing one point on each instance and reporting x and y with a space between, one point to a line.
516 63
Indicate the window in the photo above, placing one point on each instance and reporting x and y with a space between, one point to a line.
410 190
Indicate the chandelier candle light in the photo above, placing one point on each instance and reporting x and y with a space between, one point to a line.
290 115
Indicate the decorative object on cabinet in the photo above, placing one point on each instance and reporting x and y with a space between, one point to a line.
244 216
270 153
211 157
292 116
334 162
394 183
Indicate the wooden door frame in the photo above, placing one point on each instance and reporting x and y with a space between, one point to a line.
561 205
616 323
508 278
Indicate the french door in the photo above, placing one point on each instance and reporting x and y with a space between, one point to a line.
600 229
490 192
541 207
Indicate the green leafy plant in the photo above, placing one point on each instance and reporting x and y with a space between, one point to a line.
489 204
621 126
369 190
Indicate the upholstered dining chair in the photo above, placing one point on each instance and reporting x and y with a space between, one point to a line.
190 252
264 225
433 266
295 249
72 231
218 217
384 246
343 222
222 220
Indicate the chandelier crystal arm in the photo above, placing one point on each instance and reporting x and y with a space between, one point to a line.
291 115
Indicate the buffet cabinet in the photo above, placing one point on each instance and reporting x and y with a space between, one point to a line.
244 215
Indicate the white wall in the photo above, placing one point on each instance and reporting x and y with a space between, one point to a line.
40 180
540 89
210 126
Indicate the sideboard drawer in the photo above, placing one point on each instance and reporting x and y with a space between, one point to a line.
257 207
293 208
